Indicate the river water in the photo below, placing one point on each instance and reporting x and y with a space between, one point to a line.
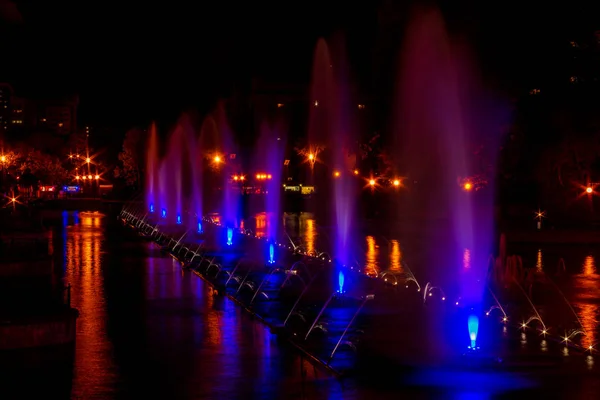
149 329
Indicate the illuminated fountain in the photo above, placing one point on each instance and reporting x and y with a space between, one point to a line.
438 103
269 157
331 127
152 163
226 168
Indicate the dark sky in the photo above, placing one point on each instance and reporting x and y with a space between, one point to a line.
132 60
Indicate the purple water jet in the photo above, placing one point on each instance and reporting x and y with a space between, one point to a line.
437 121
330 127
225 163
269 158
152 169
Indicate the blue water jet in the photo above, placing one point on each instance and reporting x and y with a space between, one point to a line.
271 253
473 326
151 207
163 213
229 236
341 280
199 226
179 219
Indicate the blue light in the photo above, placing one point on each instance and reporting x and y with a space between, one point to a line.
151 207
341 280
163 213
229 236
199 226
179 219
271 253
473 325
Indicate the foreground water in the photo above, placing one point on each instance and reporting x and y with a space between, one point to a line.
148 329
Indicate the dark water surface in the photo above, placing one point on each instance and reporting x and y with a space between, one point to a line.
149 329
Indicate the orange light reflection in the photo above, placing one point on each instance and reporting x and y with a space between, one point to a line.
310 233
261 225
395 256
539 263
587 309
467 259
83 263
371 257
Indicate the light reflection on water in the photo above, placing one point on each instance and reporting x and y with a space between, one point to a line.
395 256
587 295
83 259
467 259
147 329
372 257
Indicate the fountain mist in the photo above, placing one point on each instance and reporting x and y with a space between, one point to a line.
152 169
330 127
270 155
438 125
230 198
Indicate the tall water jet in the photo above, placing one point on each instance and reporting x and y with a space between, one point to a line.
269 158
439 105
152 169
330 121
163 189
226 167
194 167
174 161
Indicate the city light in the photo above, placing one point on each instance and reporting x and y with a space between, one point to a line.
97 177
336 174
372 182
87 160
311 157
89 177
3 158
396 182
77 177
589 190
468 186
356 172
217 159
262 177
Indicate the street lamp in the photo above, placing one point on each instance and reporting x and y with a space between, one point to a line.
87 160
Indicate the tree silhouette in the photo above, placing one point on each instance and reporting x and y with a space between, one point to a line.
131 158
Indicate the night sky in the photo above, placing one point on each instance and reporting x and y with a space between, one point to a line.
131 63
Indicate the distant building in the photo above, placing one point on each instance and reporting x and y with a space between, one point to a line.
6 93
21 114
